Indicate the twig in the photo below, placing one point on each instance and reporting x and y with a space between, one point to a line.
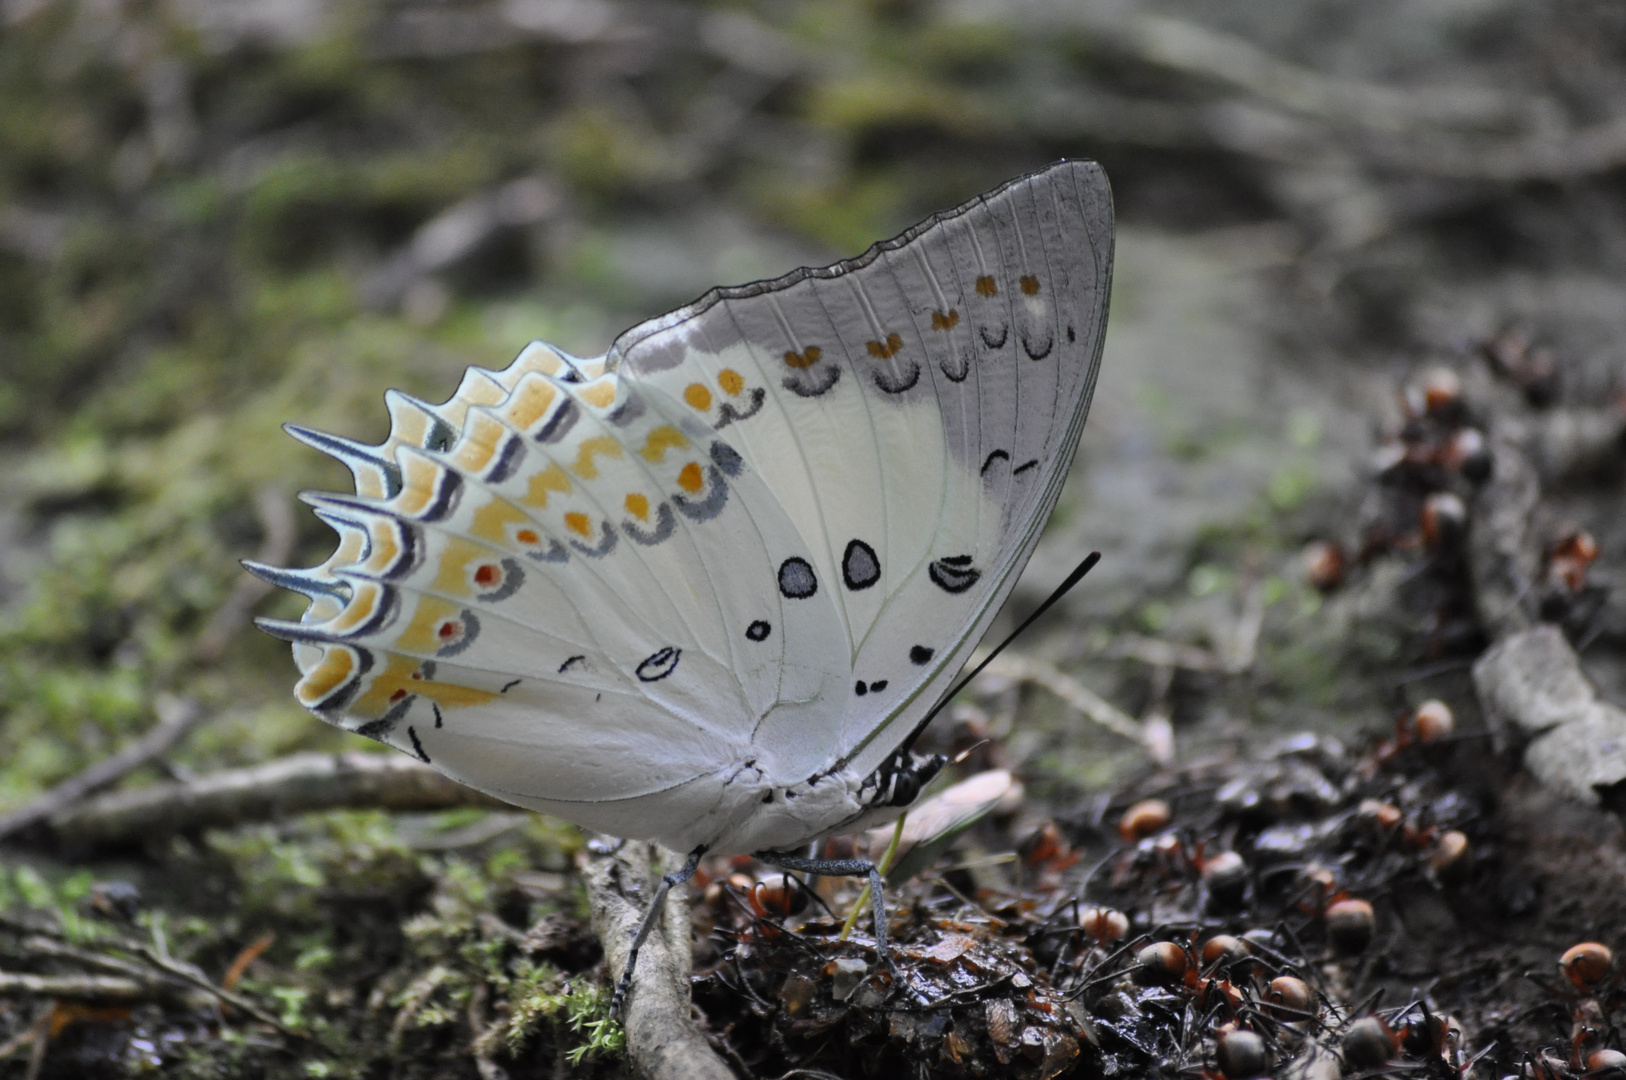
661 1034
190 975
176 717
1070 690
76 987
300 783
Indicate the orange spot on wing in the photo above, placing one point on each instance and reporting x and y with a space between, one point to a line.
883 350
638 507
941 321
660 440
528 536
986 286
598 394
599 444
731 381
690 479
552 478
1030 285
804 359
578 523
487 575
336 667
697 396
397 696
449 629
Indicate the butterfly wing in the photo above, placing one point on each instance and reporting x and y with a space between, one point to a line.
915 411
546 588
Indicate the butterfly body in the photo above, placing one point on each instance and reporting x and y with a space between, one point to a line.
703 589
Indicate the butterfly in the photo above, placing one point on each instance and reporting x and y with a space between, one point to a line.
707 588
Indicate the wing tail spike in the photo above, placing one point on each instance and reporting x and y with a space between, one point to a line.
310 582
297 633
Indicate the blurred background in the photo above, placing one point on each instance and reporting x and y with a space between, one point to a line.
217 216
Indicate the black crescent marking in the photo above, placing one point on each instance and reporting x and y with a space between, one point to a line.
950 373
507 686
342 694
555 553
427 669
953 575
796 579
1037 354
758 631
660 665
860 568
988 339
1025 466
628 411
711 505
726 458
728 413
513 576
441 434
446 493
821 383
508 459
438 718
563 419
988 463
665 525
898 385
920 655
568 664
606 544
471 630
417 746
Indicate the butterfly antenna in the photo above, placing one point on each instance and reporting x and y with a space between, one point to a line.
1061 590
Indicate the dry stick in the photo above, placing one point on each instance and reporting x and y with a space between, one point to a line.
1090 704
662 1038
299 783
76 987
176 716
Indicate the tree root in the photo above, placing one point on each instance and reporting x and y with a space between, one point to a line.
662 1037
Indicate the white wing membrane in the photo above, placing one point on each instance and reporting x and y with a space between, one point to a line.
664 592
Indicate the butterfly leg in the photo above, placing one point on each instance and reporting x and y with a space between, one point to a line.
656 908
839 868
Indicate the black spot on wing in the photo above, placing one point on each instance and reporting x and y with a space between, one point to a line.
1071 337
897 384
860 568
796 579
860 688
877 686
813 383
726 458
758 631
559 424
417 746
728 413
1025 466
954 574
660 665
920 655
438 718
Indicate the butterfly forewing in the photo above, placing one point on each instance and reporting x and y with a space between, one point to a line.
915 411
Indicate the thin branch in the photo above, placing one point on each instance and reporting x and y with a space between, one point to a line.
176 718
76 987
1091 705
300 783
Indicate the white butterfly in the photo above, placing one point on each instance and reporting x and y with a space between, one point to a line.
704 589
